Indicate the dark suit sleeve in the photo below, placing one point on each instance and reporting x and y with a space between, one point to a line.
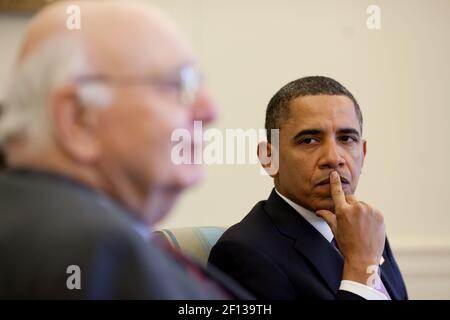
111 264
256 272
114 264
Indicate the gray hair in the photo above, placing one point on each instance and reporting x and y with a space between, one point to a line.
57 61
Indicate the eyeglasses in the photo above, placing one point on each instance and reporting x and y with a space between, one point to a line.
185 82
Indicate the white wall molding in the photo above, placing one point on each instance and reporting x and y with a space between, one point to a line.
426 270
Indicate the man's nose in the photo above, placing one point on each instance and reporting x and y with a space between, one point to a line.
331 156
204 107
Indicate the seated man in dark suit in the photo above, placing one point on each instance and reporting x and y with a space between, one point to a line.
86 129
312 238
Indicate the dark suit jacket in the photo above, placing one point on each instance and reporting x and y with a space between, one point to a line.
48 223
276 254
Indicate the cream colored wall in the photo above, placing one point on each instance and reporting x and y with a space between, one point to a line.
400 75
12 27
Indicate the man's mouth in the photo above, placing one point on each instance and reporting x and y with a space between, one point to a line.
327 181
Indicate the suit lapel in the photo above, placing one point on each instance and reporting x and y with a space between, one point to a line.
388 277
325 258
308 241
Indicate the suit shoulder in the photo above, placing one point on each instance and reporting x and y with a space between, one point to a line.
254 224
51 207
253 231
56 220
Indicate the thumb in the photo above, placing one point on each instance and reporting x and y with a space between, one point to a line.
329 218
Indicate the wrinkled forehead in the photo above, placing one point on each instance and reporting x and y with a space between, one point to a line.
325 112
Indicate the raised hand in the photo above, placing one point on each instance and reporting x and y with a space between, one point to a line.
358 229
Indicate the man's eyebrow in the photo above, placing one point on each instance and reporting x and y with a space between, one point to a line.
316 132
306 132
348 131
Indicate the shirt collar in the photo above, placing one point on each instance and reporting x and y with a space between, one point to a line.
318 223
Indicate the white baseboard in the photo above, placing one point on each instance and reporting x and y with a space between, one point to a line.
425 269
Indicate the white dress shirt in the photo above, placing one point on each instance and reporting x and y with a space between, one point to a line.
324 229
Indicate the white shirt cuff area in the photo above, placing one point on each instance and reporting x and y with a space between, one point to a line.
361 290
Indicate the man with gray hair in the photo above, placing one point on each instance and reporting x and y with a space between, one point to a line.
86 130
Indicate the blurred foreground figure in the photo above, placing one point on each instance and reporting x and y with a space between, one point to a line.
86 131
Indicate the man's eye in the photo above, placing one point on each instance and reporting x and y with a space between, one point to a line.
308 141
348 139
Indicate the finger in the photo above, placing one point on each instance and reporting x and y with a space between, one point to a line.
336 190
365 204
351 199
329 218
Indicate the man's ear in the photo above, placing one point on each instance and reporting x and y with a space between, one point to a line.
74 125
268 157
